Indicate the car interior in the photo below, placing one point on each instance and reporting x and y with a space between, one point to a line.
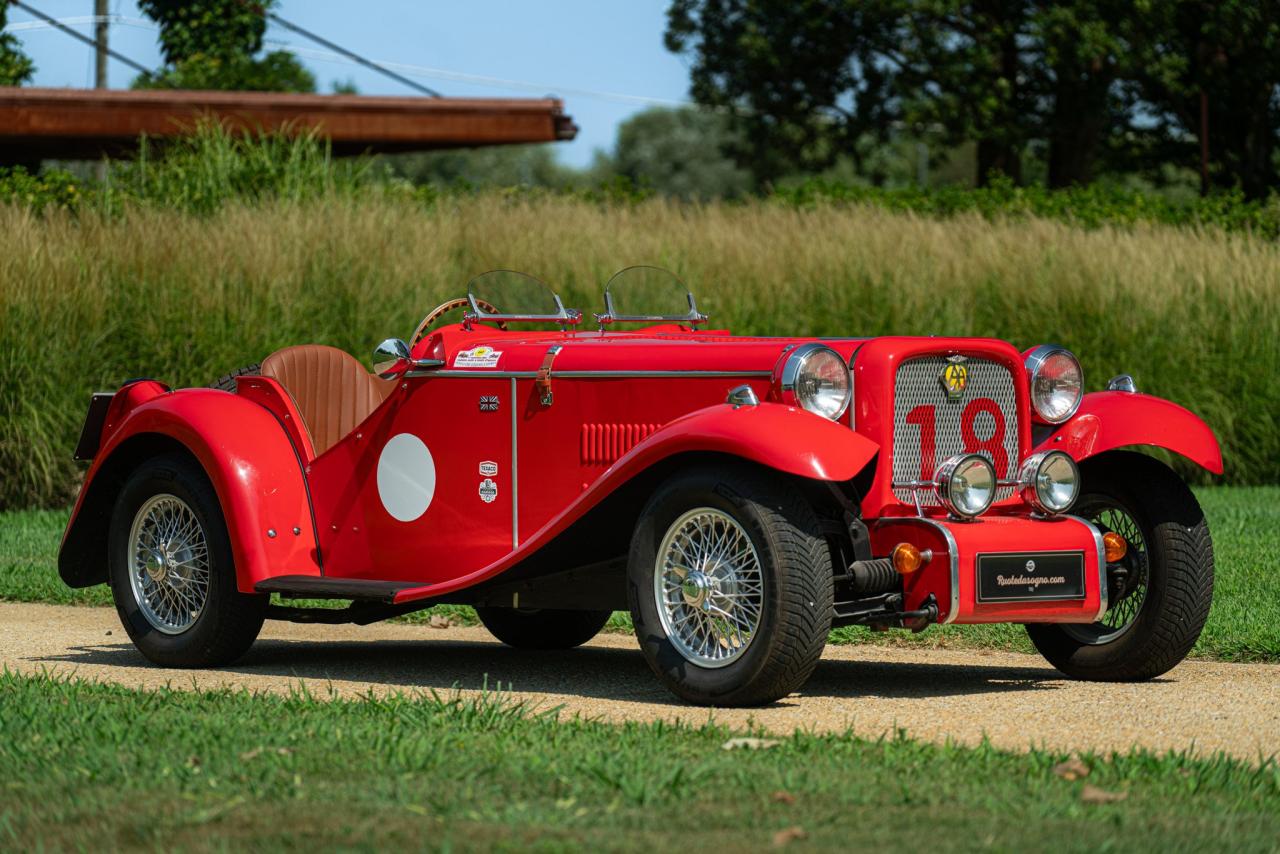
332 390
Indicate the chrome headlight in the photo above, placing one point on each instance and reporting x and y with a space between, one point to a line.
1057 382
966 484
816 378
1049 481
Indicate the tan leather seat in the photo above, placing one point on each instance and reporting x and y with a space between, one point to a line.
333 391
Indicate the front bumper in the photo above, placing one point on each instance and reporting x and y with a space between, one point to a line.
951 575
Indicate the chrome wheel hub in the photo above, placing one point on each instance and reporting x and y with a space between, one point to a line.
709 587
696 588
157 566
1123 610
168 564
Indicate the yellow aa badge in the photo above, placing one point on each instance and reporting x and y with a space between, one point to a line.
955 377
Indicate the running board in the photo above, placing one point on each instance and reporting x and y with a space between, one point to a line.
318 587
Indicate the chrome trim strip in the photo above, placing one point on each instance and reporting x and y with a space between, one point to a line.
644 374
952 549
515 474
1102 565
476 374
571 375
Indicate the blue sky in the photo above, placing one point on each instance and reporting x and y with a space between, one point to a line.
565 47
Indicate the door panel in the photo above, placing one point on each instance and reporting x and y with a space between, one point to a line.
422 490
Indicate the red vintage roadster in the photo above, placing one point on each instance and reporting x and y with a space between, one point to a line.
739 495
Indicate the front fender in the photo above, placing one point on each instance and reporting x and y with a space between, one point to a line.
1108 420
779 437
248 457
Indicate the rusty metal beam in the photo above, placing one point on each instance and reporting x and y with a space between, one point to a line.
84 123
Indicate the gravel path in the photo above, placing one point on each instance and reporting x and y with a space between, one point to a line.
1015 700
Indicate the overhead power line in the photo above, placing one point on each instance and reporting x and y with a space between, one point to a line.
367 63
384 66
80 20
53 22
496 82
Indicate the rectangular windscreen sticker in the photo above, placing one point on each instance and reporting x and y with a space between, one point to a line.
477 357
488 469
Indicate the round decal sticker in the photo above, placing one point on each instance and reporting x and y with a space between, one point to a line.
406 477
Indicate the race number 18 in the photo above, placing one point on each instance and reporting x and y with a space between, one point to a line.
925 417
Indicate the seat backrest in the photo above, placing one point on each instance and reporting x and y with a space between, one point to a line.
333 391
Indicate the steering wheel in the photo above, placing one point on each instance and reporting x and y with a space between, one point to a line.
446 307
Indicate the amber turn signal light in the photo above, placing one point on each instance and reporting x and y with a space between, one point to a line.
1115 546
908 559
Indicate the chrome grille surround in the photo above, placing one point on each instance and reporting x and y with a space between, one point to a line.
915 384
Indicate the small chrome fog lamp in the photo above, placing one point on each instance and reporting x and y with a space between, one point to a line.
1049 481
966 484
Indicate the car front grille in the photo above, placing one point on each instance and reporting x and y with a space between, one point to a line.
918 389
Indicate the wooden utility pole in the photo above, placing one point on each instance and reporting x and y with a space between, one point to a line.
1204 143
100 36
100 65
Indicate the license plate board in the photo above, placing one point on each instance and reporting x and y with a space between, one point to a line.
1031 577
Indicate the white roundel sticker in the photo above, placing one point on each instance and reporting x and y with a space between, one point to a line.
406 477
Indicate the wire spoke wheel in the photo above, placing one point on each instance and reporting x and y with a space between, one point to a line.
1124 605
709 587
168 564
1158 594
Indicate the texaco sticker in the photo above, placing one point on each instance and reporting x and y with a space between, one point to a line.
488 491
477 357
488 469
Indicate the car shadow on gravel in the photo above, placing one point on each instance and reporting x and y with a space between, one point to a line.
588 672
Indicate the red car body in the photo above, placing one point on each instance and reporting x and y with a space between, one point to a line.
509 467
624 402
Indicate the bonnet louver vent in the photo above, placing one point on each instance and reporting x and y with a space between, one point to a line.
603 443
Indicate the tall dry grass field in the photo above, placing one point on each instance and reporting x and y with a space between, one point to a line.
90 300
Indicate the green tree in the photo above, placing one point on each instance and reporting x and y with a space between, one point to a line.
16 67
1086 48
214 44
1223 56
678 153
806 81
965 70
494 166
819 79
1013 75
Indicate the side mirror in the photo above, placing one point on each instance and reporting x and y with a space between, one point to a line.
391 359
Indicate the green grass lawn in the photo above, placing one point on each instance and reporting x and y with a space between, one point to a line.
87 766
1243 626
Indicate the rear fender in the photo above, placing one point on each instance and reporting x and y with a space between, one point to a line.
252 464
1108 420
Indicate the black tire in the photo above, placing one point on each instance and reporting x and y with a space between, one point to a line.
227 382
795 570
1178 570
542 628
229 621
